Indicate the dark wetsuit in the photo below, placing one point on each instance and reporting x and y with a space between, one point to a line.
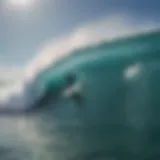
76 96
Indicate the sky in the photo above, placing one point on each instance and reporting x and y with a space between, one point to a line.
24 30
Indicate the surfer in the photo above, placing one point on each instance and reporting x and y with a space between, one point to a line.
73 89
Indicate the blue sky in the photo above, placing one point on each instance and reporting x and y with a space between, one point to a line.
24 31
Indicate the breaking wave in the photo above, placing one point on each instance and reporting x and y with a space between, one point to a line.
32 86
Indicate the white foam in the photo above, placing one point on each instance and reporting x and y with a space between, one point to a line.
133 71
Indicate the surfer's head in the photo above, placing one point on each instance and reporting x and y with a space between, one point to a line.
70 79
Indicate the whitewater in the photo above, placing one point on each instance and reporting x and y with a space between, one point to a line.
17 95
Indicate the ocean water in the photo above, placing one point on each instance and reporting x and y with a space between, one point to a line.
110 110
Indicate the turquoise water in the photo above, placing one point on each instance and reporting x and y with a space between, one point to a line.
117 119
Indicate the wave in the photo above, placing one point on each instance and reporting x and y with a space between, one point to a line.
32 87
